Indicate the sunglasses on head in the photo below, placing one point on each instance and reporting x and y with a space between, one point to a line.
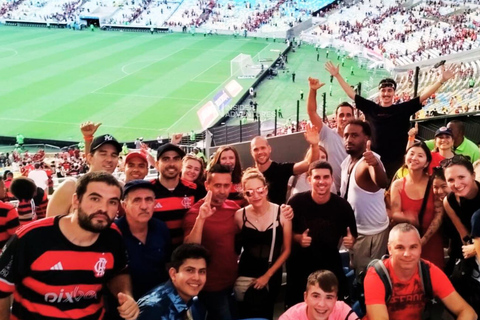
260 190
456 159
387 84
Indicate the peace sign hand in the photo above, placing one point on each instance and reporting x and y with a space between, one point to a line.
206 209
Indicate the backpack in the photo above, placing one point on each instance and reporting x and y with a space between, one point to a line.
433 307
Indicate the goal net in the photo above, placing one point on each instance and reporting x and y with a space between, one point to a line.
242 66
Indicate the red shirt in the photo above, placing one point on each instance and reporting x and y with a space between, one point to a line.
407 301
218 237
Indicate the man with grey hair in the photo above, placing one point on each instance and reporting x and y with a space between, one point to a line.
408 297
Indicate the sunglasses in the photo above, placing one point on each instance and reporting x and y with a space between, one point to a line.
456 159
249 193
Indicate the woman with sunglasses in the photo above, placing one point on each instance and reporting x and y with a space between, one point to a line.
460 204
412 201
257 222
228 156
193 171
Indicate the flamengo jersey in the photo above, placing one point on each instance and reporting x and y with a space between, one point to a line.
8 222
51 278
171 206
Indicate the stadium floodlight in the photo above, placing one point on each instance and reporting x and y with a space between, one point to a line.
242 66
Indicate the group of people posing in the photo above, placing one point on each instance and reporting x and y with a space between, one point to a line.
232 231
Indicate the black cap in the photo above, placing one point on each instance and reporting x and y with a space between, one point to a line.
443 130
137 184
169 147
103 139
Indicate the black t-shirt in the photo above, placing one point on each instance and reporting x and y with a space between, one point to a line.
476 224
277 176
464 211
466 208
389 126
327 223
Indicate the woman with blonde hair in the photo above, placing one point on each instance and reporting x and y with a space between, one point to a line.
265 237
193 171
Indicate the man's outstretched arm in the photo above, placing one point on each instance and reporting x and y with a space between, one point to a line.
335 72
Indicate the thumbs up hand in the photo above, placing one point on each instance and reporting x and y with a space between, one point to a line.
349 239
306 240
370 158
128 308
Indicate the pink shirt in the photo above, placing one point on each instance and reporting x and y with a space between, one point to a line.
341 311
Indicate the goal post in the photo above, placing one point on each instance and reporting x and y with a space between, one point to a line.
242 66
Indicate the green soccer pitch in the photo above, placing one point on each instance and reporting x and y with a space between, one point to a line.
137 84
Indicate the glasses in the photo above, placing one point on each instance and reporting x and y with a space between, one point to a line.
249 193
456 159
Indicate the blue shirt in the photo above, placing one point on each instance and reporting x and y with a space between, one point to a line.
146 261
163 303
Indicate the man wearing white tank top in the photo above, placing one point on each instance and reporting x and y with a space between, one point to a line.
363 183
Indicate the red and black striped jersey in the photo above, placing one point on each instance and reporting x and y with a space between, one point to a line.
26 211
171 206
41 203
52 278
8 222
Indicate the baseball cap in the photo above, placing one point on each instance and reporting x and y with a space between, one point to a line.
169 147
136 154
137 184
443 130
103 139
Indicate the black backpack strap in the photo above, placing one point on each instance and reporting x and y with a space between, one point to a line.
385 277
424 271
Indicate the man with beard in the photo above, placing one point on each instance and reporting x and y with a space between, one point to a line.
173 196
57 267
390 121
277 174
103 156
322 220
210 222
331 139
363 182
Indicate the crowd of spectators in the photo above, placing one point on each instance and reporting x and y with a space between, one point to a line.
395 30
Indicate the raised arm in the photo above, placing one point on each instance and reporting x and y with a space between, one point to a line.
335 72
315 119
61 200
445 75
204 213
312 137
88 130
375 167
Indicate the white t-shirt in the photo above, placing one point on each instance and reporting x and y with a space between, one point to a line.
335 147
40 178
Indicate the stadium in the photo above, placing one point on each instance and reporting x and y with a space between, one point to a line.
210 74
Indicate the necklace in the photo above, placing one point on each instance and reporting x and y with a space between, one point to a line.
258 217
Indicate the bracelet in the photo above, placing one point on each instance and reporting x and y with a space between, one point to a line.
88 138
411 138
